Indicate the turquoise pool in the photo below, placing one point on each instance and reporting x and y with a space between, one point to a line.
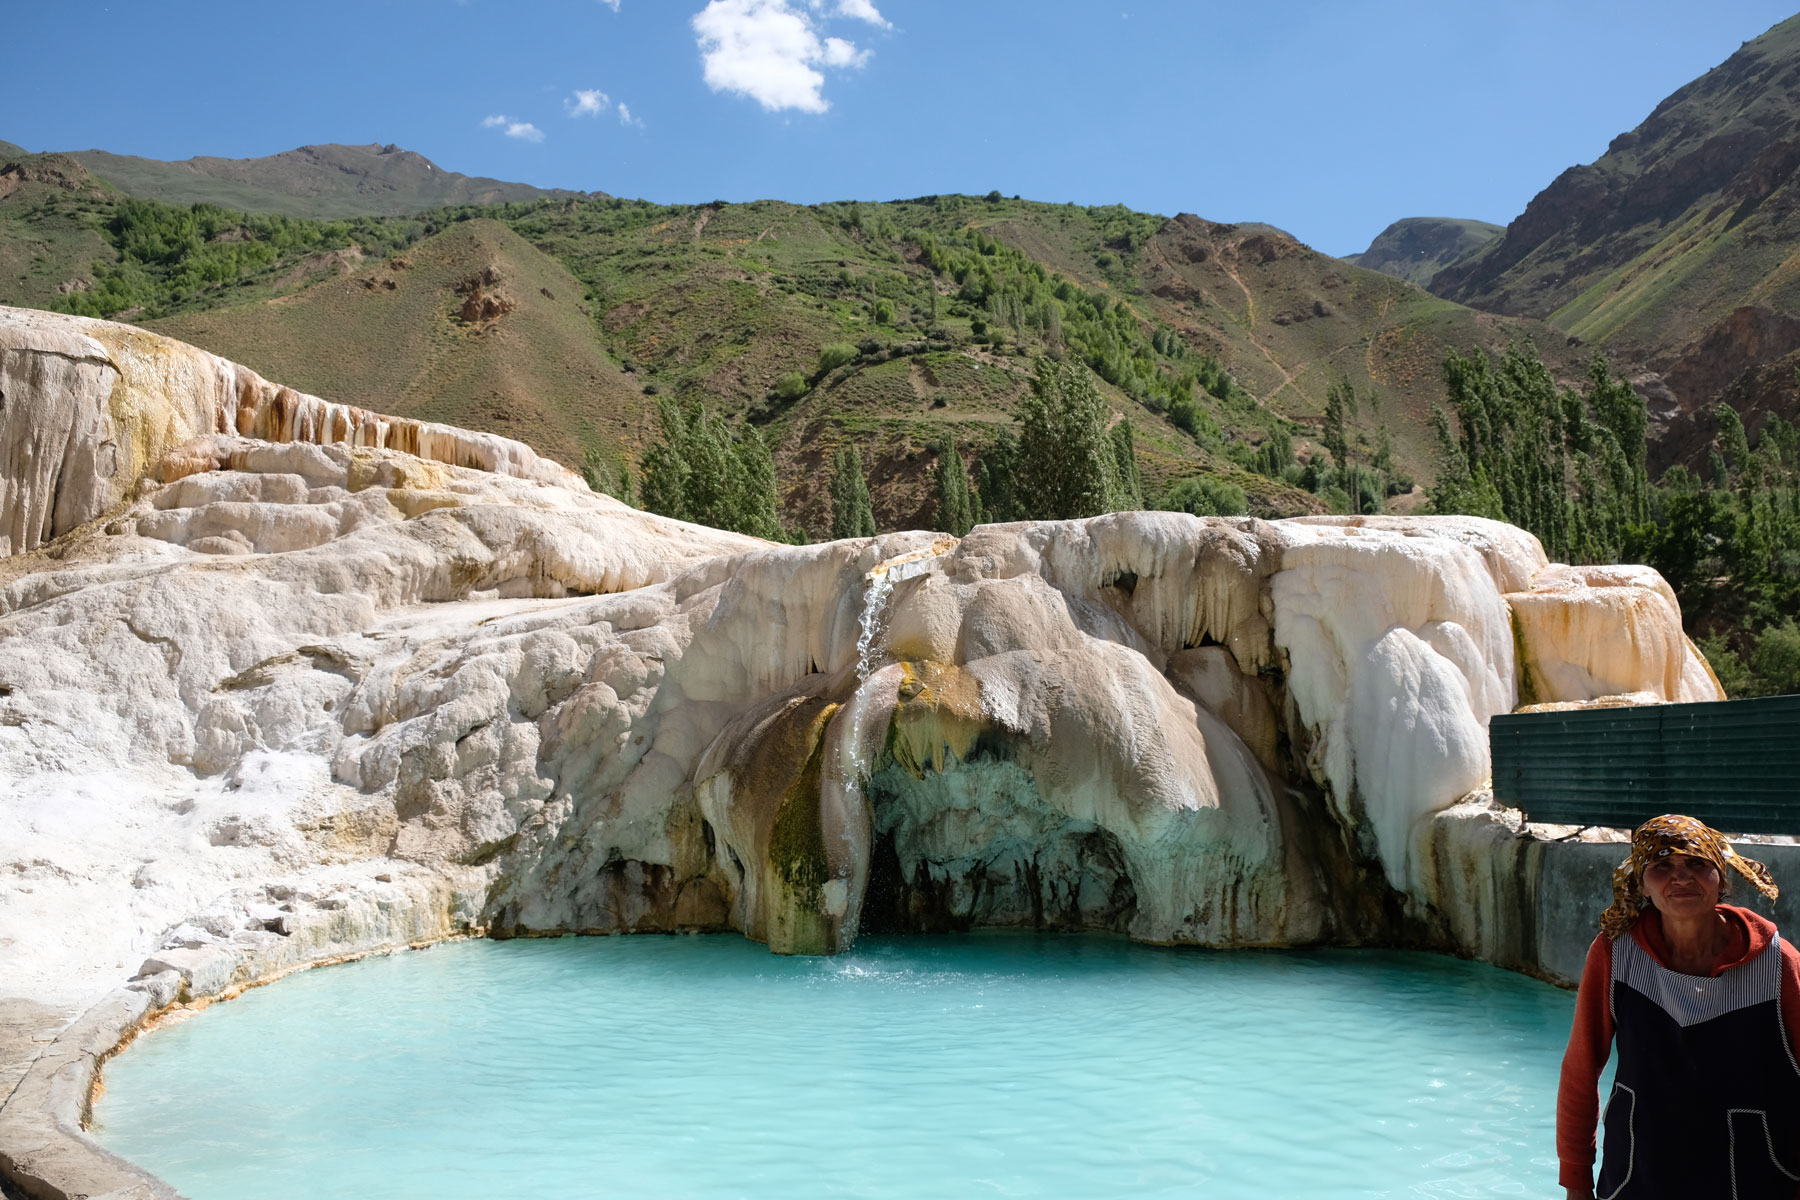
985 1065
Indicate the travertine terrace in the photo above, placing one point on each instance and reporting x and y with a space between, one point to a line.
282 681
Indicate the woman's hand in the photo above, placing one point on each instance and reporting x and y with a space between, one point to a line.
1579 1193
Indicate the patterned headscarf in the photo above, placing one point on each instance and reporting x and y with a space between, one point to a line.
1660 837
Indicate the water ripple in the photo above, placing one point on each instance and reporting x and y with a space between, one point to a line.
988 1065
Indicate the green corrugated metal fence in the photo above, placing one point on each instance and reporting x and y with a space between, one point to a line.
1734 764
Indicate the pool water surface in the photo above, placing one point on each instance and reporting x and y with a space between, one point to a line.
985 1065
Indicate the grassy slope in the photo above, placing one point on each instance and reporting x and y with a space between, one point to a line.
389 336
1679 286
1290 322
49 240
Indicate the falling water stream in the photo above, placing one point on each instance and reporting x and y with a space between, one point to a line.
869 625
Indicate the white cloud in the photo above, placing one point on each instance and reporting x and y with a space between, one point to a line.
587 103
612 4
862 10
525 131
770 50
625 117
839 53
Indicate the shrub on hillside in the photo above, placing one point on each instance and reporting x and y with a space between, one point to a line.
1206 496
790 387
834 356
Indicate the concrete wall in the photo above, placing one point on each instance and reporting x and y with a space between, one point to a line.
1533 904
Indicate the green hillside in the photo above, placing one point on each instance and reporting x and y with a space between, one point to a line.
736 307
891 326
52 213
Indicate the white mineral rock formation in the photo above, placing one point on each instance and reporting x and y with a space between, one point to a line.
96 406
280 679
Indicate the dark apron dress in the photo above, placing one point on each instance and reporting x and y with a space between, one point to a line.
1706 1101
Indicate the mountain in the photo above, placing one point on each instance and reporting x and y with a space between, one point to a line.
326 181
720 301
1416 248
1678 247
891 326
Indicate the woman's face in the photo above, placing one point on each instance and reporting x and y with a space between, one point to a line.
1682 885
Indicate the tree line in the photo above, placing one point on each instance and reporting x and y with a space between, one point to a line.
172 255
1066 459
1569 464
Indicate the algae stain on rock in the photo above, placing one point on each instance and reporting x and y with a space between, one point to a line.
799 866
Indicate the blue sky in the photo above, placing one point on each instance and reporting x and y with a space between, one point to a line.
1329 119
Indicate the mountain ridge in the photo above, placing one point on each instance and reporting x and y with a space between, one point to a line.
892 326
323 180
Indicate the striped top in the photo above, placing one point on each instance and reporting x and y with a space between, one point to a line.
1691 999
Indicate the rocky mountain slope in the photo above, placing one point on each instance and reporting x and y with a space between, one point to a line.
1293 322
312 181
1676 248
1417 248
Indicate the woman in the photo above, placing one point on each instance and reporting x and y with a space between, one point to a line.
1704 1001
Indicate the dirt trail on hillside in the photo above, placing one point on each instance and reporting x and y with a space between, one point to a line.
1287 380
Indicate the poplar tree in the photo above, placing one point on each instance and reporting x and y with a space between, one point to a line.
696 471
755 506
852 512
1067 464
994 500
1340 410
955 514
1127 490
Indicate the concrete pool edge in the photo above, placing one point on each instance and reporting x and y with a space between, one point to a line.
1527 903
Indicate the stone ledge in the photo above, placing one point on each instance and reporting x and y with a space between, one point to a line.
45 1150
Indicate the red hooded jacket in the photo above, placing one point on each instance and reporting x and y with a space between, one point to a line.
1590 1042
